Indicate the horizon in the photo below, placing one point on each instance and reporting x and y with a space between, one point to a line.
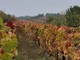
33 8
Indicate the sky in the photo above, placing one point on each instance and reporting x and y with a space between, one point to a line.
35 7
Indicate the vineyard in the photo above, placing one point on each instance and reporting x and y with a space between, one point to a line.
40 30
60 42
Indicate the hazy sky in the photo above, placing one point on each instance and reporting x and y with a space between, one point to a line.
34 7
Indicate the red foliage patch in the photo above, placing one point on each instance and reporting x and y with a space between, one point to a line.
10 24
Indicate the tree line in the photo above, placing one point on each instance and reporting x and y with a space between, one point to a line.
6 17
71 18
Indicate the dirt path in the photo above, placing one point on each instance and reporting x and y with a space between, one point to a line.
28 49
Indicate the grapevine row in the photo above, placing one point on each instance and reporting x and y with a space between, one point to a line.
52 39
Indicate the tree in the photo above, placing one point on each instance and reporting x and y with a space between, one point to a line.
50 19
6 17
73 16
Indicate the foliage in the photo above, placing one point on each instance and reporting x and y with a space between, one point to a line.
6 56
50 19
8 43
56 40
73 16
56 19
6 17
1 23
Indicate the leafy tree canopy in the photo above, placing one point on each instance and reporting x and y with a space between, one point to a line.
73 16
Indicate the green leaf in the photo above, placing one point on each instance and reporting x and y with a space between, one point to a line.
1 21
6 56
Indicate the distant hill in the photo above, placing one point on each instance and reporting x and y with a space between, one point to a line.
30 17
56 18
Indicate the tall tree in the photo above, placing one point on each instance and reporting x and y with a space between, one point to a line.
6 17
73 16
